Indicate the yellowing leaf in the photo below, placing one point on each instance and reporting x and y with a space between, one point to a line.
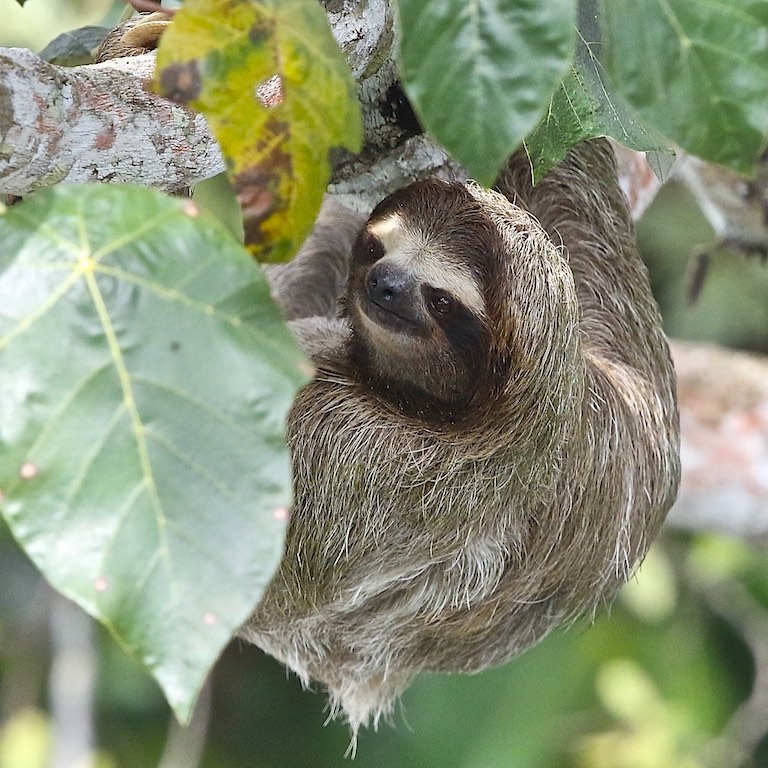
277 93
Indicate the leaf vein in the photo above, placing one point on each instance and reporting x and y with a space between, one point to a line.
27 322
121 515
133 412
59 412
187 396
170 294
90 457
192 464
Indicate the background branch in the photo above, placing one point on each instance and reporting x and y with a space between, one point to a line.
723 399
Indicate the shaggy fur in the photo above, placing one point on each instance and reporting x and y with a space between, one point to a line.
446 525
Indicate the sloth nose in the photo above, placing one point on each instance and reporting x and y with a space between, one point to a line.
389 287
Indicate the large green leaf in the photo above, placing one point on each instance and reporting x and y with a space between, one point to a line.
586 106
279 97
146 375
480 74
695 69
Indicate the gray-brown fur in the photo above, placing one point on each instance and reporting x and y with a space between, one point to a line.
452 506
450 537
313 283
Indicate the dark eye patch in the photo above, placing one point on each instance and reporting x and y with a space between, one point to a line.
466 334
368 248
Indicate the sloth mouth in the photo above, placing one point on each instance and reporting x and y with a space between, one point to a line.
385 316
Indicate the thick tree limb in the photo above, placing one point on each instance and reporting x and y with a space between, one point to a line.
100 123
95 123
723 399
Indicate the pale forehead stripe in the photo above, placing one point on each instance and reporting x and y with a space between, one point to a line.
386 229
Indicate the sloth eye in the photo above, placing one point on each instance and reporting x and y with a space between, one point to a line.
440 303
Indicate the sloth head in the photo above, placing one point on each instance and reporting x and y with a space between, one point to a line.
443 277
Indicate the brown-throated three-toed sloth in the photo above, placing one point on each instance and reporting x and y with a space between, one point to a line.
491 440
490 443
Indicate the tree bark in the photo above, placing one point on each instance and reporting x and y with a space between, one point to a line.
95 123
723 398
102 123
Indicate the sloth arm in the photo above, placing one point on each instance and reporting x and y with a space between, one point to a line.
582 207
629 411
309 288
311 285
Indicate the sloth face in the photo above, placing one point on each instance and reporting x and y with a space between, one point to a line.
416 297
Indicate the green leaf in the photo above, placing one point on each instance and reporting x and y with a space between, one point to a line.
481 74
697 70
78 46
216 197
224 57
586 106
146 379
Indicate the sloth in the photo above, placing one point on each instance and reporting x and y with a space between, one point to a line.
490 442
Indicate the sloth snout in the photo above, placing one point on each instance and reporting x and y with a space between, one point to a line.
390 288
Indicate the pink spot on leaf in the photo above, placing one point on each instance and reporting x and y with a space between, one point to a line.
28 470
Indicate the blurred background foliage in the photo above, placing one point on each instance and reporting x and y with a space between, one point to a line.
672 677
39 21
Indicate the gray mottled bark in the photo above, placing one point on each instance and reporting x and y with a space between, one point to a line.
95 123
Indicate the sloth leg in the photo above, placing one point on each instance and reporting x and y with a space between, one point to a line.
135 36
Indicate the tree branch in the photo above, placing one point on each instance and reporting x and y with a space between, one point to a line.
95 123
101 123
723 398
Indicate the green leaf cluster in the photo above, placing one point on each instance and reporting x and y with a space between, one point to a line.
486 76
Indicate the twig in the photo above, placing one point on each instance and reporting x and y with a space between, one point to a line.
72 684
732 601
184 745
